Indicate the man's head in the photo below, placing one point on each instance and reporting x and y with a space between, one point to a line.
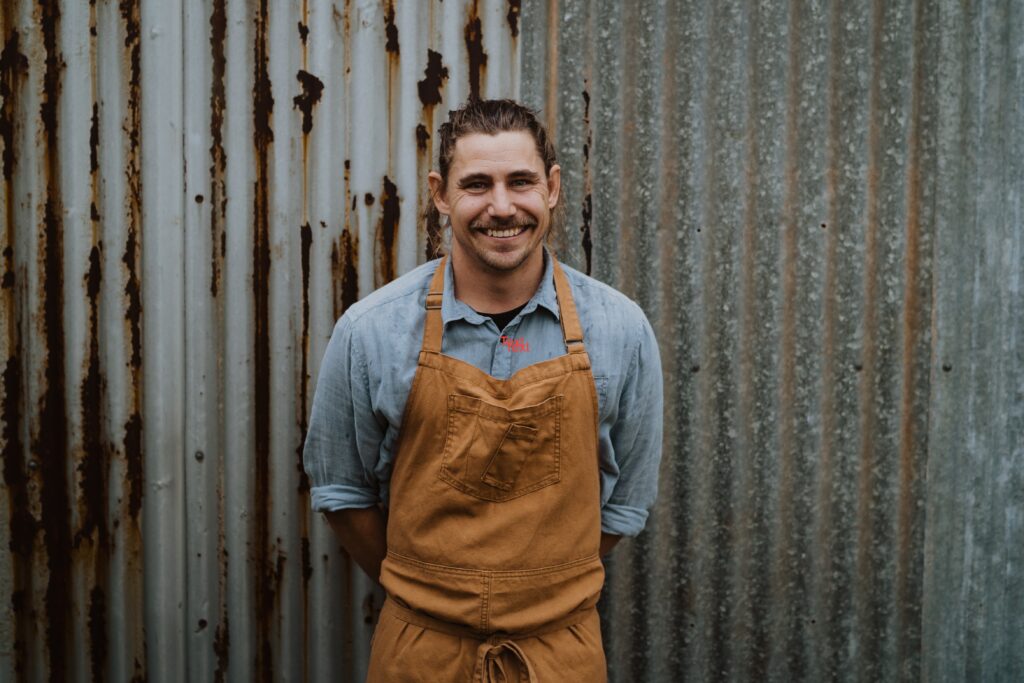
497 182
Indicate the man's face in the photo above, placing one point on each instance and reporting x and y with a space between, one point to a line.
499 199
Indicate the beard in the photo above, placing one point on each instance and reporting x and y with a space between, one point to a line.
499 260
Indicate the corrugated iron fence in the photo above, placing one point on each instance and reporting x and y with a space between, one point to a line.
818 204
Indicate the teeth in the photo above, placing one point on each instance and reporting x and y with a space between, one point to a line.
509 232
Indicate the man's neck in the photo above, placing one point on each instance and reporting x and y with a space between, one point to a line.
490 291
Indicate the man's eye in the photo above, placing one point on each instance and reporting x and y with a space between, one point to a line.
520 182
476 186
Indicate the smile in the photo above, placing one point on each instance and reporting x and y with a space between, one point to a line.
504 232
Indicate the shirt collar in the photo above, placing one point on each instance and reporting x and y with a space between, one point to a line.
452 309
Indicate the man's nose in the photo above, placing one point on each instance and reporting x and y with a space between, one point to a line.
502 205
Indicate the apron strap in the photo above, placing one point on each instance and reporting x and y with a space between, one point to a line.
572 332
434 327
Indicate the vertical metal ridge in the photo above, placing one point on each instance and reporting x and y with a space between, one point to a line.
160 244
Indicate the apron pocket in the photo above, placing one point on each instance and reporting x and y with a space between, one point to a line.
494 453
508 459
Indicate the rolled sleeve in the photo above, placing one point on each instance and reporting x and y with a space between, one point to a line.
343 438
636 439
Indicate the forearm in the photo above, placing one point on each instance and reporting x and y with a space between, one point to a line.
362 532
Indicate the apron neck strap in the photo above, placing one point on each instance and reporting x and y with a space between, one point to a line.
434 326
433 329
572 332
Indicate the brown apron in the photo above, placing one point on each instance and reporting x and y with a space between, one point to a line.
493 570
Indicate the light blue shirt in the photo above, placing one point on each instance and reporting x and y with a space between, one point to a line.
371 359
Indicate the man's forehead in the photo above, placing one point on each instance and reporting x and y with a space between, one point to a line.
478 152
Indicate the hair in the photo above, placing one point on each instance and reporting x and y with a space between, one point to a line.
489 117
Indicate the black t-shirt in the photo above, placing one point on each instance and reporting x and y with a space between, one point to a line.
503 319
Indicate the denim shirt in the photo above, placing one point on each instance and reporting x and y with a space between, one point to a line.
371 360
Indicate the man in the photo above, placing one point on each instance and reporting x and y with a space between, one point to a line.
487 426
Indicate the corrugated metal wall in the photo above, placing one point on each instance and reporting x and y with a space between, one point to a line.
818 205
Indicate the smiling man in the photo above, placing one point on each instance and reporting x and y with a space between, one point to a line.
487 426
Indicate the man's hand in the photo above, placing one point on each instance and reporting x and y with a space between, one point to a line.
608 542
363 534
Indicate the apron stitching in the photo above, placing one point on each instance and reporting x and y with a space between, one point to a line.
485 602
495 573
458 485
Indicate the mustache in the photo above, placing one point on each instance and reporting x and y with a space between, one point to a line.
520 222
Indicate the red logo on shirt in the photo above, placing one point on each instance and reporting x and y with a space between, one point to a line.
515 344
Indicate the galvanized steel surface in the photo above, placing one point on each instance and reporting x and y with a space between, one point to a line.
819 206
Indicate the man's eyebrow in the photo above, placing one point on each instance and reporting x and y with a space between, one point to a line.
473 178
525 174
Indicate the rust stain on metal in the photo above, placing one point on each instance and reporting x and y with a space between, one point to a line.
274 593
133 315
263 105
587 210
312 89
133 292
51 441
368 199
222 632
94 462
221 647
422 137
387 229
23 526
8 277
130 259
344 270
133 456
515 9
94 138
434 77
13 69
307 563
92 536
218 157
132 444
390 29
97 625
303 32
306 238
916 383
474 37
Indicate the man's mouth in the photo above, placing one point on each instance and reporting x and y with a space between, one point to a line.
505 232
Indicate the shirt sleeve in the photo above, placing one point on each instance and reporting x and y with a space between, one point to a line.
343 438
636 439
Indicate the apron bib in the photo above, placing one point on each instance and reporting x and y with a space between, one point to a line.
493 570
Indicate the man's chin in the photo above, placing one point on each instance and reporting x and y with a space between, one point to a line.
505 261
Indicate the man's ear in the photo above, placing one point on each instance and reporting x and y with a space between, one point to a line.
437 194
554 185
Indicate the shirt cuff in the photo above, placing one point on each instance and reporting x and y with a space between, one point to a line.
340 497
622 520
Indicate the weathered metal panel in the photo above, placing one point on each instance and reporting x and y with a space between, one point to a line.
810 203
819 207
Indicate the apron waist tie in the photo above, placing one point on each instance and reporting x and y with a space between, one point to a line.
490 667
